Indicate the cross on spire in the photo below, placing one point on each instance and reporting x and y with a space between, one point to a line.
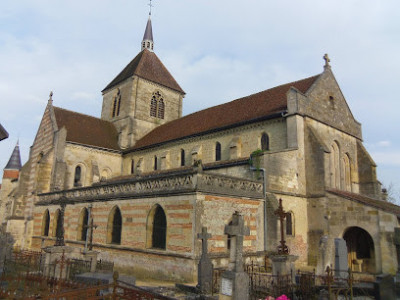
327 60
151 5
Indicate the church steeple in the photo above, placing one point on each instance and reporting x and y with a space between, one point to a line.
148 42
15 160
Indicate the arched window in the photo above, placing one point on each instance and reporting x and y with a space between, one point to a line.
57 226
157 106
83 225
182 157
153 106
289 224
157 228
264 142
347 172
114 226
116 104
335 165
217 151
77 177
160 113
114 107
46 223
132 166
155 162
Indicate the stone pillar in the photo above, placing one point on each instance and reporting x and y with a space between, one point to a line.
235 282
284 265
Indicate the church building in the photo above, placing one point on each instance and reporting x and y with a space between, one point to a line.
151 178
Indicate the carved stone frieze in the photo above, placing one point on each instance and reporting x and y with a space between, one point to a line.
158 185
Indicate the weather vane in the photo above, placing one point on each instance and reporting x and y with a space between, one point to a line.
151 5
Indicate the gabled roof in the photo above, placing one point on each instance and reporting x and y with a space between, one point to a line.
379 204
15 160
251 108
148 66
87 130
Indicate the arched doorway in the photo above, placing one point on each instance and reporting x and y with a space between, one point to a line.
360 249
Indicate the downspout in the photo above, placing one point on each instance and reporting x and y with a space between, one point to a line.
264 199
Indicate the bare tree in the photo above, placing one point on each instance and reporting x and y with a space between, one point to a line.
393 193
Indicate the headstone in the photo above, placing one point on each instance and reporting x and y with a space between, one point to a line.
205 267
235 282
341 260
384 287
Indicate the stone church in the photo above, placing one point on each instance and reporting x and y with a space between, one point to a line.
151 178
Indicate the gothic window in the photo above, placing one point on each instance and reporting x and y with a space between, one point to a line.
289 224
57 226
157 106
114 226
77 177
82 225
160 113
264 142
157 228
347 172
132 166
335 165
116 104
217 151
155 163
182 157
46 223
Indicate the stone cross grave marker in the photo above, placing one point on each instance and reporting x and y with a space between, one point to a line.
205 267
235 282
341 261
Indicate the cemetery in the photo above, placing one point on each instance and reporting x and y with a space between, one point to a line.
61 272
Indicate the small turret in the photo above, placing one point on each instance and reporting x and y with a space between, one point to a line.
14 164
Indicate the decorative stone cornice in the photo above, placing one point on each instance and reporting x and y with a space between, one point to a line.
155 185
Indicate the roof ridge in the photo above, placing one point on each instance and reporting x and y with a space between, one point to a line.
82 114
248 96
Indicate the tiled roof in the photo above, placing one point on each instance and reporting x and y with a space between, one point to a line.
379 204
87 130
148 66
240 111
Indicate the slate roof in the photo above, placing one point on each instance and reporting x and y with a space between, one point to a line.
244 110
148 66
148 33
379 204
87 130
3 133
15 160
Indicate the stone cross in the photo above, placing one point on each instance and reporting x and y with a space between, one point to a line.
63 262
89 233
282 248
205 267
204 236
60 224
327 60
151 5
237 231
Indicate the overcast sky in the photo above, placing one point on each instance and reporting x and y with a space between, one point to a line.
216 50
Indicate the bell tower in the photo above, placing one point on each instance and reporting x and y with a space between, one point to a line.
142 96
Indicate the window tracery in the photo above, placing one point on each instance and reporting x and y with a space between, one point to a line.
157 106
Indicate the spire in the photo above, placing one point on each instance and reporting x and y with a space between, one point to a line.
147 42
15 160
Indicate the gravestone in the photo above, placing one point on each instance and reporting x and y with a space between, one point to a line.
205 267
235 282
341 261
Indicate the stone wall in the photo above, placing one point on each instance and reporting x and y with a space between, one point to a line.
247 138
